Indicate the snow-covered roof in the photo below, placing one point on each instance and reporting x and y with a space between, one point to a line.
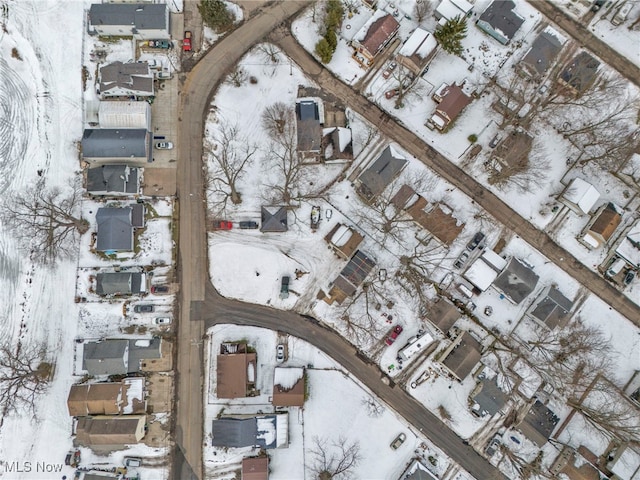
287 377
582 194
124 114
449 9
627 465
629 248
420 43
342 236
481 274
494 260
416 346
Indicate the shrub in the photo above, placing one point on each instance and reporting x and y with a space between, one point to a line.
473 138
324 50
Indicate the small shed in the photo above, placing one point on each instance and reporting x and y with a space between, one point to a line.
274 219
580 196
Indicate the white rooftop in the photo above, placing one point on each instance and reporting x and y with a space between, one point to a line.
452 8
493 259
627 250
420 42
582 194
481 274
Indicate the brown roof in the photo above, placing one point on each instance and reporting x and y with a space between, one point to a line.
439 220
96 399
379 32
464 356
256 468
110 430
452 103
232 374
443 314
607 222
349 246
402 196
293 397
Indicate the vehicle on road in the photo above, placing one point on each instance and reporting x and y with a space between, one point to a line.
162 320
628 278
143 308
280 353
159 289
166 44
222 225
284 287
164 145
248 224
399 440
186 41
397 330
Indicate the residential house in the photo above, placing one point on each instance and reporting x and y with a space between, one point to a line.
628 247
375 179
118 114
487 396
263 431
116 225
552 309
255 468
235 371
500 21
309 120
373 37
450 9
417 471
605 222
579 196
436 218
483 272
453 102
273 219
133 79
120 283
516 281
340 138
351 277
110 430
416 53
113 180
577 464
343 240
511 155
538 424
544 49
119 356
288 387
462 355
110 146
143 21
580 74
126 397
443 314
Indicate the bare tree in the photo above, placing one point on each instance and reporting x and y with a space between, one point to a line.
513 95
25 373
352 6
270 52
417 267
422 9
231 156
238 76
46 221
278 118
287 163
374 408
526 469
335 460
403 81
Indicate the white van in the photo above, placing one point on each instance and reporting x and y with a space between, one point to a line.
621 16
615 267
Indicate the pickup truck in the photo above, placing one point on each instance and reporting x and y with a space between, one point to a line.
284 287
186 41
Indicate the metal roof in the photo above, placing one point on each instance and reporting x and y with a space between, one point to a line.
112 143
358 268
114 283
137 16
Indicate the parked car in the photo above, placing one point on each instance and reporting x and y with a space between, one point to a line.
186 41
162 320
280 353
492 447
495 140
391 93
143 308
222 225
399 440
163 75
248 224
397 330
387 73
628 278
462 259
132 461
597 4
159 289
160 44
475 241
284 287
164 145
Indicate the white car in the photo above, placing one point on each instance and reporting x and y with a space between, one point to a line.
162 321
164 145
280 353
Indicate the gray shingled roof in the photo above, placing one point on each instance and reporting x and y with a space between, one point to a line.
308 126
115 231
502 18
274 219
464 357
543 51
581 72
358 268
539 423
138 353
241 432
108 357
378 176
112 143
553 308
134 76
118 283
516 281
112 179
491 399
137 16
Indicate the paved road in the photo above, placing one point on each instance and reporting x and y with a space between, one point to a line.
195 94
456 176
586 38
221 310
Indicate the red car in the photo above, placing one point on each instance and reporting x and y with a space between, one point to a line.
397 330
391 93
222 225
186 41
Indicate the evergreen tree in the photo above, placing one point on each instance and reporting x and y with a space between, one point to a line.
451 34
324 50
216 14
331 39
